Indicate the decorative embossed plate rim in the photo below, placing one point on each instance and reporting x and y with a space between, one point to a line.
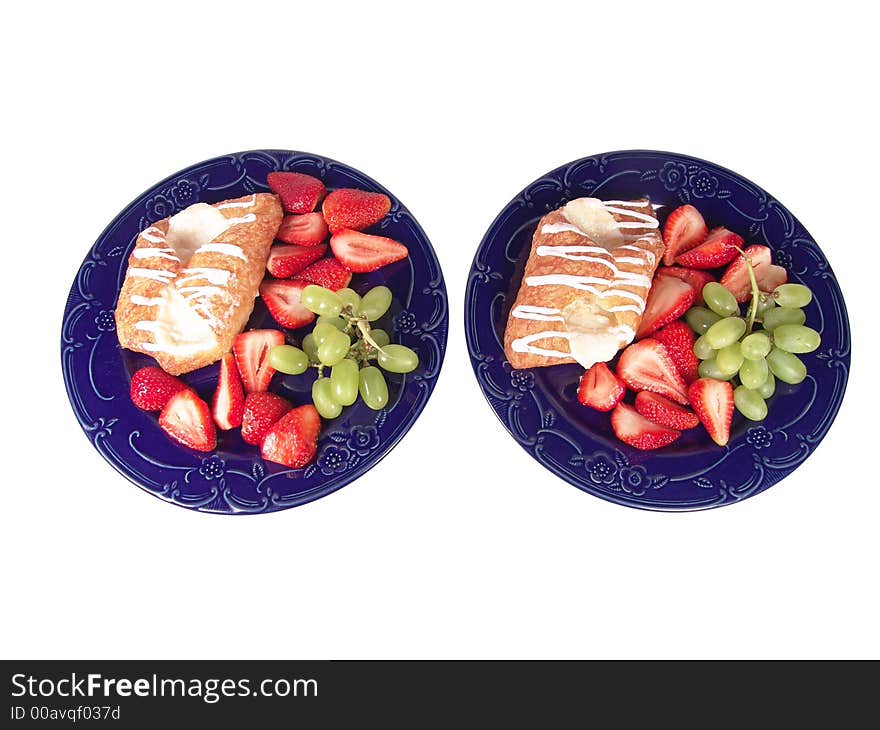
235 479
538 407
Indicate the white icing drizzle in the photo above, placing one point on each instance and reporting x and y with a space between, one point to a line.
145 301
227 249
158 237
583 283
649 220
146 252
198 292
219 277
160 275
246 204
524 344
551 228
541 314
249 218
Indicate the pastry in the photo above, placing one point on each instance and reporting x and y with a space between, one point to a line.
585 283
192 280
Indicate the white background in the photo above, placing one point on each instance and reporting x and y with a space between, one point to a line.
458 544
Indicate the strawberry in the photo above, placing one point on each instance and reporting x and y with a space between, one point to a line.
684 229
736 276
251 350
288 260
261 412
362 253
696 278
282 300
293 440
661 410
669 298
298 193
187 419
600 388
717 250
328 273
678 339
305 230
634 429
646 365
228 404
354 209
771 277
152 388
712 401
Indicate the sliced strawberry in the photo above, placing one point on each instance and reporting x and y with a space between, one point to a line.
354 209
152 388
328 273
696 278
678 339
298 193
717 250
362 253
712 401
684 229
282 299
187 419
261 412
646 365
600 388
228 404
288 260
736 276
251 351
771 277
305 230
293 440
669 298
660 409
634 429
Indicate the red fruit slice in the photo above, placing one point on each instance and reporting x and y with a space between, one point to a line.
298 193
696 278
712 401
303 230
661 410
646 365
717 250
251 350
187 419
354 209
771 277
282 299
328 273
228 404
261 412
293 440
678 339
684 229
362 253
152 388
600 388
634 429
669 298
736 276
287 260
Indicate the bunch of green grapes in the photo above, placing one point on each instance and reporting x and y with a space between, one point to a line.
730 348
343 341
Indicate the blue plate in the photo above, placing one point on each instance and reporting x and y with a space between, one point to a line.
539 407
235 479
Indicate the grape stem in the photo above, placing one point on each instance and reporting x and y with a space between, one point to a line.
364 328
756 292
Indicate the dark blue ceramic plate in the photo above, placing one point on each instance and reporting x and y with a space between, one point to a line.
539 407
235 479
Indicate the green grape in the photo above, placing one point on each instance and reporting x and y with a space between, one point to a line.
288 359
322 396
719 299
792 295
344 381
783 315
373 388
765 304
729 359
756 346
334 348
380 337
310 347
699 319
398 359
753 373
768 388
709 369
319 300
375 303
322 331
725 332
350 298
337 322
796 338
787 367
703 349
749 403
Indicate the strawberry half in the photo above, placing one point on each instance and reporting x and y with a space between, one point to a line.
152 388
661 410
600 388
305 230
293 440
712 401
354 209
228 404
261 412
282 299
362 253
736 276
289 259
187 419
251 350
634 429
646 365
696 278
298 193
669 298
678 339
717 250
771 277
684 229
328 273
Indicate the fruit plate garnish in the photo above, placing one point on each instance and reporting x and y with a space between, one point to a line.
666 425
217 440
